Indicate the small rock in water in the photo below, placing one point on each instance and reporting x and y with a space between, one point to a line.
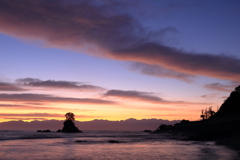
147 130
44 130
113 141
80 141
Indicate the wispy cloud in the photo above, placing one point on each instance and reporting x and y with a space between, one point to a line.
143 97
31 115
171 115
209 96
9 87
229 87
28 107
94 28
134 95
50 99
38 104
158 71
53 84
9 105
26 119
160 108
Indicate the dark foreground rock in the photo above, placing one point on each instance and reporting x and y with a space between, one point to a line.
215 128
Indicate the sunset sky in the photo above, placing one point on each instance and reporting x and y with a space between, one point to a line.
117 59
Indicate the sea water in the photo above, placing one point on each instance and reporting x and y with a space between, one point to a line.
104 145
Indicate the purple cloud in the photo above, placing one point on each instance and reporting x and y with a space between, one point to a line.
158 71
222 87
31 115
143 96
9 87
133 95
31 82
13 106
101 29
50 99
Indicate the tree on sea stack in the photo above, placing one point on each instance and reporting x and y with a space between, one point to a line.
70 116
69 125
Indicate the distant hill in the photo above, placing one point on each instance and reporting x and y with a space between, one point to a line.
103 125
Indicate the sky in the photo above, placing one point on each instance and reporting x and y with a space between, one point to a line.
115 60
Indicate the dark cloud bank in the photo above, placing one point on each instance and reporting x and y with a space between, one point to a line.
102 29
124 125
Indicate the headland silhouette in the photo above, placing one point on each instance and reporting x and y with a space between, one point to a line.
224 124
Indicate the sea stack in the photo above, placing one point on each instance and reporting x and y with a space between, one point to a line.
69 125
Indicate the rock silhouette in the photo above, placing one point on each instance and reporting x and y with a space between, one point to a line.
69 125
44 130
223 124
231 106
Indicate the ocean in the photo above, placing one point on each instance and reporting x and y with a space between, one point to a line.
106 145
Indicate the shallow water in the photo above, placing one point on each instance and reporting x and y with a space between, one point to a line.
28 145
